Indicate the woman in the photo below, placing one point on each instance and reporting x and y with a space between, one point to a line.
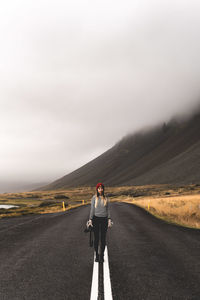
99 219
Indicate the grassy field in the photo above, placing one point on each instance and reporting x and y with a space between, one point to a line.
183 210
43 202
176 204
179 205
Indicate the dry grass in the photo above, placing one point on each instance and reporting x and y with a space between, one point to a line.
43 202
183 210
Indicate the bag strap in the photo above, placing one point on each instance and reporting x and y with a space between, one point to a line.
91 238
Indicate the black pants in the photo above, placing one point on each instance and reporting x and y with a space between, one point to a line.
100 227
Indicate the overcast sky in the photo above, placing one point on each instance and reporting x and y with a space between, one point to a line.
78 75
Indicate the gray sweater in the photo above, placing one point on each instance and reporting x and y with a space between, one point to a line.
100 210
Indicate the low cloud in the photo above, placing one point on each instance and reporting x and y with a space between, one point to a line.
76 77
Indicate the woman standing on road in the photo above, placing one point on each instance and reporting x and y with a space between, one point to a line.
99 219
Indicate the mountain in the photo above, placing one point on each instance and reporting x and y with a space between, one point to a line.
167 153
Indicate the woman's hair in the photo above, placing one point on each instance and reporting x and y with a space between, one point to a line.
104 197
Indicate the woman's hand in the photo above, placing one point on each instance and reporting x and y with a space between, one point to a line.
110 223
89 223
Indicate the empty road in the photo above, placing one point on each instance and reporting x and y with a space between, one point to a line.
48 257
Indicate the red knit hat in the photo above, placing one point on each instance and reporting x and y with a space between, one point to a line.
98 184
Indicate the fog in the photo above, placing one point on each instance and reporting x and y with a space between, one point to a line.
76 76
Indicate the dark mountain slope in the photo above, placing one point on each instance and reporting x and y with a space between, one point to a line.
178 138
146 157
184 169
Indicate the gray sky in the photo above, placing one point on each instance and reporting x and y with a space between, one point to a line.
76 76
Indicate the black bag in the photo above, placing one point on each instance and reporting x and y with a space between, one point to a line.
91 238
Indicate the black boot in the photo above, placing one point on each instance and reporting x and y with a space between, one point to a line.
101 259
97 257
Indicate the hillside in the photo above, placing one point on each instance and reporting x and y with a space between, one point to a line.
168 153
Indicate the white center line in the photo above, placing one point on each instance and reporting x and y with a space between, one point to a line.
94 288
106 276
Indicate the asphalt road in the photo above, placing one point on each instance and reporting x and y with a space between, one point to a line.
48 257
150 259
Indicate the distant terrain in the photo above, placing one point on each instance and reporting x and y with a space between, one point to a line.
19 186
165 154
174 204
